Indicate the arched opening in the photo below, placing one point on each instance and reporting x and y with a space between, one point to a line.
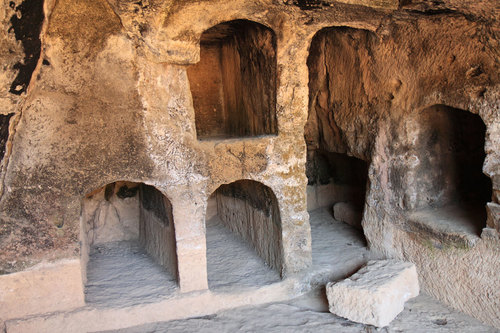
450 190
128 245
234 84
337 180
244 242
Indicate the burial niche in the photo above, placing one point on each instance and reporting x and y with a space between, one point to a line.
451 191
128 245
336 127
234 84
244 244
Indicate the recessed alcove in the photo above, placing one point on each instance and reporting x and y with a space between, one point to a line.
336 200
234 84
128 245
451 191
337 179
244 246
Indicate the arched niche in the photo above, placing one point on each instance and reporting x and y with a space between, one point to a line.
450 191
234 84
244 235
128 244
337 156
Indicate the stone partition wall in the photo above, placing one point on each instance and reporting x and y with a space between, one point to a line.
251 210
156 230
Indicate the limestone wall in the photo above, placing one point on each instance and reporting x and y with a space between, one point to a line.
449 146
368 93
157 232
110 99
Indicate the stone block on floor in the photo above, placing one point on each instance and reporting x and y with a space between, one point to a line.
348 213
376 293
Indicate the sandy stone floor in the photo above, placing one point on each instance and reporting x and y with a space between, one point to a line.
233 264
309 314
122 274
338 250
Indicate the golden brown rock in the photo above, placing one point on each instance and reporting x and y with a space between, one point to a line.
116 90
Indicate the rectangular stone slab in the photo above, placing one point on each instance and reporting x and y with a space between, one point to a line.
376 293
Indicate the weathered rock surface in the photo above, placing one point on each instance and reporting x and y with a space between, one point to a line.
375 294
251 211
309 314
348 213
396 100
105 95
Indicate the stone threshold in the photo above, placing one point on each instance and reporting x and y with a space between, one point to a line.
194 304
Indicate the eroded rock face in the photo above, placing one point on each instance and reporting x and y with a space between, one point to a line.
4 133
376 293
26 25
370 96
110 99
